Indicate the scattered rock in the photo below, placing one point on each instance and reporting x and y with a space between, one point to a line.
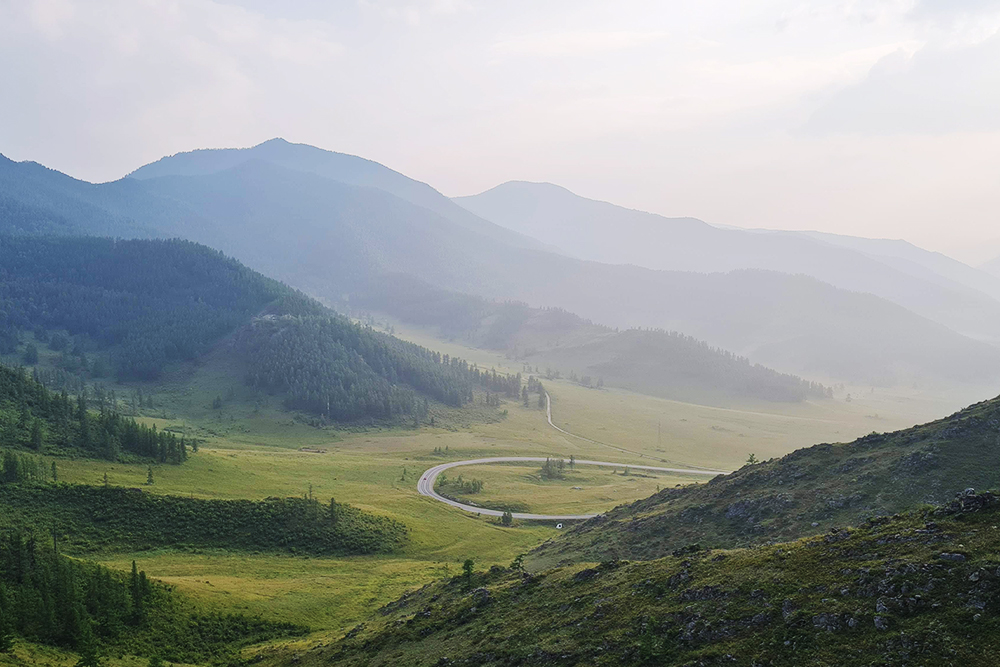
954 558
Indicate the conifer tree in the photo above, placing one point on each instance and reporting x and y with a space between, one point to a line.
89 656
6 627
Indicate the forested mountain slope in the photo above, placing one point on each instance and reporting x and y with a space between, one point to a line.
556 342
917 589
330 238
146 304
595 230
803 493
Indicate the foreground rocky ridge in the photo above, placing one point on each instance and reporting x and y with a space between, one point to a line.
917 589
803 493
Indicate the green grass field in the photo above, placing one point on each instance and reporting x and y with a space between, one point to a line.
250 450
582 490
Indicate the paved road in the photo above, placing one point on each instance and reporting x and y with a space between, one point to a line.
426 484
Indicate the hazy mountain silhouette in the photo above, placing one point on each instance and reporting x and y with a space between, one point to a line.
330 238
991 267
947 291
348 169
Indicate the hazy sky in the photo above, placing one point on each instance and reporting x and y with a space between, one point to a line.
869 117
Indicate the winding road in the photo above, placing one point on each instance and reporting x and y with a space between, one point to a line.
426 484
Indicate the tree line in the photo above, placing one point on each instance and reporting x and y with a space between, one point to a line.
36 418
344 371
108 518
50 599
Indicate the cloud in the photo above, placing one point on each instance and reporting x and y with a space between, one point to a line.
413 12
569 44
96 80
933 91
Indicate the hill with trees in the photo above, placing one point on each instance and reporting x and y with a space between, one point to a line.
277 212
142 305
803 493
555 342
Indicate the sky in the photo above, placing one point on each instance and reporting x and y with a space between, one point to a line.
876 118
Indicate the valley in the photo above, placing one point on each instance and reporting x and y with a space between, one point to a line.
250 450
413 421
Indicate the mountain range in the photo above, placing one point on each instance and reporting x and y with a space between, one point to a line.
329 224
930 284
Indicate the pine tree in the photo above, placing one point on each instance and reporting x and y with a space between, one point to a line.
89 656
6 629
136 590
149 476
467 569
55 473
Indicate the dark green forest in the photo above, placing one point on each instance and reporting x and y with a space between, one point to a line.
33 417
90 519
51 599
146 304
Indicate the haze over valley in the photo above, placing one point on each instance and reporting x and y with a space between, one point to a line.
447 333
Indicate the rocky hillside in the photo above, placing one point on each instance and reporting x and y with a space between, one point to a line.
919 589
803 493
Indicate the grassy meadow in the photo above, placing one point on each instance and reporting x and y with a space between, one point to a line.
581 490
250 449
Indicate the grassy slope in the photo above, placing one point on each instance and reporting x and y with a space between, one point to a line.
802 493
250 452
879 594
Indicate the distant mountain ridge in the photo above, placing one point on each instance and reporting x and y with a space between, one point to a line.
557 342
944 290
331 239
340 167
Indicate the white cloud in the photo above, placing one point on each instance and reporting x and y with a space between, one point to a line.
684 108
563 44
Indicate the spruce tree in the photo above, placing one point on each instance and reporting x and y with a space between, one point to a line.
37 436
137 593
6 629
149 476
89 655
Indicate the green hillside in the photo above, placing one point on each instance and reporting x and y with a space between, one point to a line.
651 361
130 309
917 589
51 599
803 493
